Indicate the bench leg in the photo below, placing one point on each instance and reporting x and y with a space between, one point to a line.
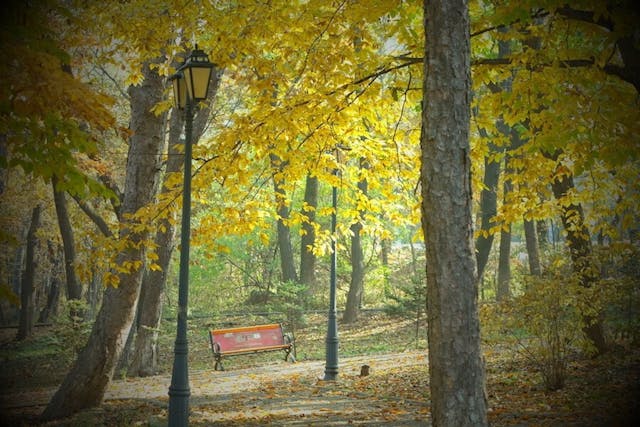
289 355
218 364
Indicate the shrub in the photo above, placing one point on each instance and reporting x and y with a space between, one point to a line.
545 321
71 331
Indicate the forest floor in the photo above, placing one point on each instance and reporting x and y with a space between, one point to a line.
263 390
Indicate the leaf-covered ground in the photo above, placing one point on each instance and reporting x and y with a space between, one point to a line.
262 390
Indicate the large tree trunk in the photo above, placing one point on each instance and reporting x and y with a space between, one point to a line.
284 233
144 355
85 385
307 257
356 287
579 241
74 287
27 309
455 360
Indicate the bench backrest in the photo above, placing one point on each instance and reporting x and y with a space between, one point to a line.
259 336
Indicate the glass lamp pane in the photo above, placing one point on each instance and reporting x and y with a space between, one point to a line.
197 81
179 91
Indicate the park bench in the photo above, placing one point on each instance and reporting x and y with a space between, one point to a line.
249 339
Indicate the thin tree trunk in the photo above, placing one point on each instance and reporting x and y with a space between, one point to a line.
307 257
56 258
533 249
27 309
74 288
542 230
356 287
579 242
284 233
489 193
503 290
455 360
384 259
488 210
85 385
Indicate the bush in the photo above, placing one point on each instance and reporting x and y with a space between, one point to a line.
545 321
71 331
620 265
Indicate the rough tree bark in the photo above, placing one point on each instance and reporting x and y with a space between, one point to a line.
455 360
85 384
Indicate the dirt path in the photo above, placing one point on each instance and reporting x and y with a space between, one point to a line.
278 394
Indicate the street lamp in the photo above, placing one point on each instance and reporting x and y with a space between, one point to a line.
190 85
331 365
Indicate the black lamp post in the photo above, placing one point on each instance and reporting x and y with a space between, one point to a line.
331 365
190 85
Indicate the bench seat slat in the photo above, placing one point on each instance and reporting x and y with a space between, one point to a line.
254 349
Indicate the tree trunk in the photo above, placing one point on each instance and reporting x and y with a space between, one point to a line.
542 229
3 171
56 258
74 288
85 385
455 360
143 357
384 259
356 287
533 249
579 241
503 290
284 234
488 210
27 309
489 193
307 257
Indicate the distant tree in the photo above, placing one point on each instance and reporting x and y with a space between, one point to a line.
285 248
307 240
27 290
356 286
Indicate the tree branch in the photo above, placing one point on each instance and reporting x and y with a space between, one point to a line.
111 185
97 219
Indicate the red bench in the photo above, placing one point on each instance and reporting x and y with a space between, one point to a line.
249 339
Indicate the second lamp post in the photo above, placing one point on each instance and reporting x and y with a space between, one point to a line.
190 85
